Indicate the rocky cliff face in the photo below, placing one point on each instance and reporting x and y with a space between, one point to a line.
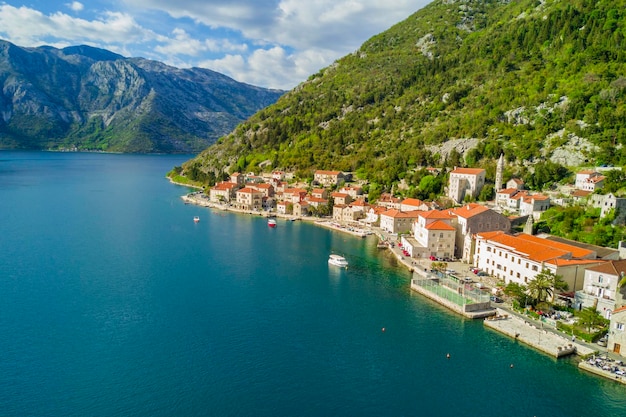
87 98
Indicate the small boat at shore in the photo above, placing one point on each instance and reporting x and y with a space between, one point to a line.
337 260
196 219
271 222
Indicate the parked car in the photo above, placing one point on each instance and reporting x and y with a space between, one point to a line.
495 299
603 341
482 274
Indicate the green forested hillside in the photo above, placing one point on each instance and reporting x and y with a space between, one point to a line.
524 77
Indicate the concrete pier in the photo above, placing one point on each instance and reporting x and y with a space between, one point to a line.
532 334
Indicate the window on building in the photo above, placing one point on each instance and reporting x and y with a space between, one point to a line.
488 249
619 326
517 275
600 279
534 268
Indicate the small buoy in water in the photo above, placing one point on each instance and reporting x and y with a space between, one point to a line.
448 355
511 365
383 329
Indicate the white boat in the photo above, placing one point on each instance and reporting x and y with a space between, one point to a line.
196 219
271 222
338 260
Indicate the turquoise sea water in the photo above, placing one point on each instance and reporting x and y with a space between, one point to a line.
113 302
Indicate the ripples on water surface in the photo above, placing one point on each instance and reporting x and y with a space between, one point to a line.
113 302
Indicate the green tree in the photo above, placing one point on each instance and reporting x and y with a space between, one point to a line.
487 193
590 318
541 287
518 292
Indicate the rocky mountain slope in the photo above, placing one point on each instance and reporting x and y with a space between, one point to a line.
86 98
536 80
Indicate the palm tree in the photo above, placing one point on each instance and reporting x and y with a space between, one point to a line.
540 288
545 284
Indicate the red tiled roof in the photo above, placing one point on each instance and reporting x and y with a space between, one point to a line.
508 191
471 171
571 262
412 202
435 214
576 251
534 251
439 225
615 268
619 310
247 190
322 172
401 214
359 202
223 186
470 210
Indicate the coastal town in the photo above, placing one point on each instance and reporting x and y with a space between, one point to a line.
464 254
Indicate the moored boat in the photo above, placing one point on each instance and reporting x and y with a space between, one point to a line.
338 260
271 222
196 219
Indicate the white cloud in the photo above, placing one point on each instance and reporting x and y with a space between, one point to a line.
272 43
27 27
75 6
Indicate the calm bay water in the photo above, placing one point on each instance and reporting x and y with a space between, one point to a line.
114 303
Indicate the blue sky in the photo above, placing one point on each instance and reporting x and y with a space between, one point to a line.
268 43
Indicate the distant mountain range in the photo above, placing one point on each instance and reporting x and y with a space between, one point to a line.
91 99
458 83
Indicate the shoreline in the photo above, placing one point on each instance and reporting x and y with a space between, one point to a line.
502 320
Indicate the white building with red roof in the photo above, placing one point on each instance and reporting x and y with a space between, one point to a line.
328 178
520 258
341 198
601 287
534 205
410 204
473 218
389 201
434 235
294 195
465 181
354 191
249 198
223 192
319 193
396 221
589 180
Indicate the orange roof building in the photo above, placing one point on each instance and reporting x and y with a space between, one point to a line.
520 258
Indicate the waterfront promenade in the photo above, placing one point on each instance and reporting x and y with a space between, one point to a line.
500 318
